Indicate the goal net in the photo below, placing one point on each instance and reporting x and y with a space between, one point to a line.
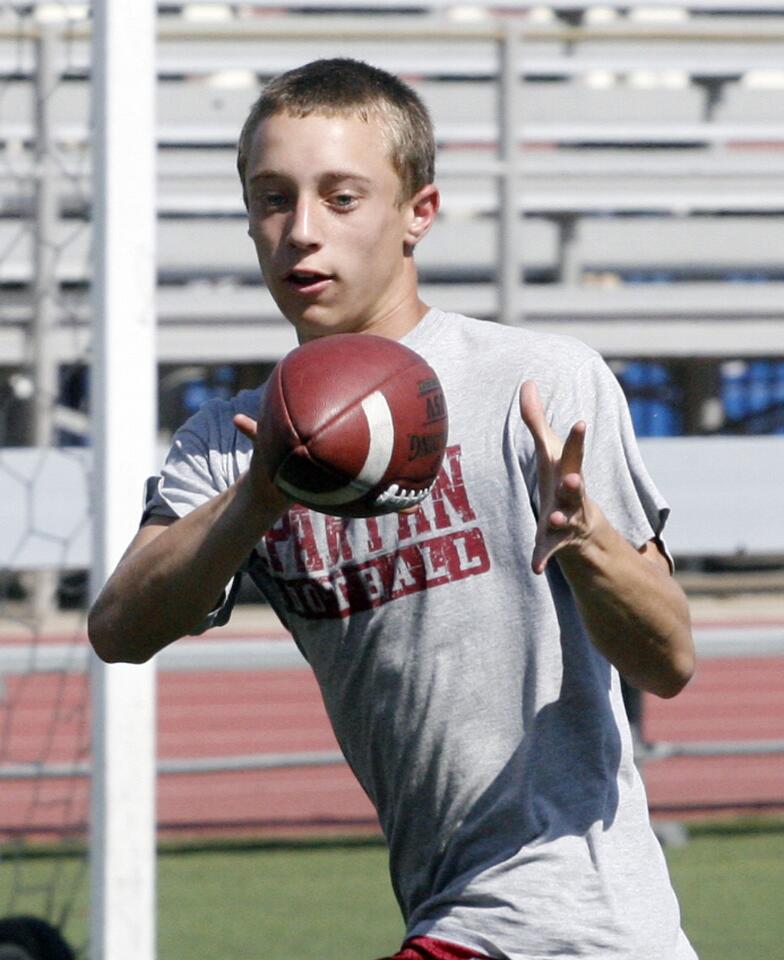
69 281
44 471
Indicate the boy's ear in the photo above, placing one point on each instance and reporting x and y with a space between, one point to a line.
423 207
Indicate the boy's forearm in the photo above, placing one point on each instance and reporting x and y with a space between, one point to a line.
165 585
635 612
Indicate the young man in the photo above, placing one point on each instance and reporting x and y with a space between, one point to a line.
475 690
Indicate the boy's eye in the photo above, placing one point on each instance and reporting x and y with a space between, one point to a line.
268 199
343 200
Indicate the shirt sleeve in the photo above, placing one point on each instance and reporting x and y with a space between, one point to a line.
221 613
198 466
205 458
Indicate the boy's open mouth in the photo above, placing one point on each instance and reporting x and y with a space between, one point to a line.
306 278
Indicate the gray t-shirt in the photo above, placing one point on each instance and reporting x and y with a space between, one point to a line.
482 722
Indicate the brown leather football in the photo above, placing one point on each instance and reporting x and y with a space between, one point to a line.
354 425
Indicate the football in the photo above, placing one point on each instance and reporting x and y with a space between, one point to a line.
354 425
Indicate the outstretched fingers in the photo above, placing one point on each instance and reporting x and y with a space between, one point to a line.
574 450
561 485
567 503
570 489
569 494
532 412
246 426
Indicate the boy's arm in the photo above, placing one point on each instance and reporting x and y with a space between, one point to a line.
174 571
635 612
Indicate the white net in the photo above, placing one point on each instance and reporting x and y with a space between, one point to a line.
44 514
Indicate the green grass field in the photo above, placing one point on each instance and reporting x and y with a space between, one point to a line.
332 901
730 882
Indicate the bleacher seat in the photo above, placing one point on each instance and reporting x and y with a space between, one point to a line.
645 156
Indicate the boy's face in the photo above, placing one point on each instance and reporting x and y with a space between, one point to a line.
333 241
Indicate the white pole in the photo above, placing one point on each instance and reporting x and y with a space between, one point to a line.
45 289
511 274
123 906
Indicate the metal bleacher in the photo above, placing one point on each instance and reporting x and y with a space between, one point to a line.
643 152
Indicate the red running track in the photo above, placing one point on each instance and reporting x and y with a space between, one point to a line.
45 718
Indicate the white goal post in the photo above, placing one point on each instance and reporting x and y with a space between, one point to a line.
123 400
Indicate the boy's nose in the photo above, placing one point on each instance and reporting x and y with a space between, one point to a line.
303 231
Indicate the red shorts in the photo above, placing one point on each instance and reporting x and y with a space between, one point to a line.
425 948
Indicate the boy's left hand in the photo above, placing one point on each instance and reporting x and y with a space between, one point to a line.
565 511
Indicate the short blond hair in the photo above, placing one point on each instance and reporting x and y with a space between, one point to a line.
342 86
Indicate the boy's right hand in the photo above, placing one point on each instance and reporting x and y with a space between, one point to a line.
264 491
